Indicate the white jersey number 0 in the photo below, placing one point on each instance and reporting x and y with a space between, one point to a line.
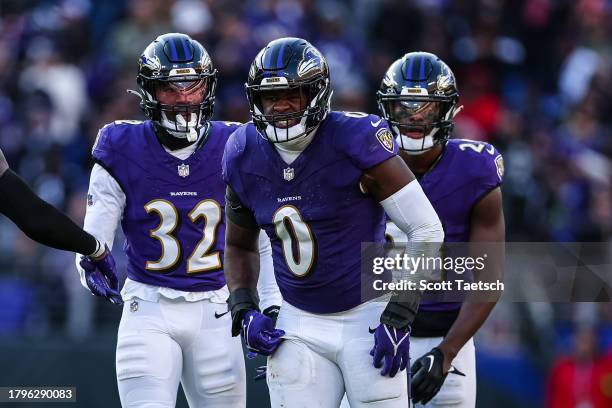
299 247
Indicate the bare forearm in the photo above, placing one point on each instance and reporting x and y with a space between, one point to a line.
486 236
241 271
471 317
241 267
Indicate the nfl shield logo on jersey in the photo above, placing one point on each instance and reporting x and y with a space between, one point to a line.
288 173
183 170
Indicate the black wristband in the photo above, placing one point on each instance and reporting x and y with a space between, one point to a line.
399 315
239 302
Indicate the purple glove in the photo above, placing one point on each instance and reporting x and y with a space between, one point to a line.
391 345
259 333
101 276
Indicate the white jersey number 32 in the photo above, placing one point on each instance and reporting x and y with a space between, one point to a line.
200 259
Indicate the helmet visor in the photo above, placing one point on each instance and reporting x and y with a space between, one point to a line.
182 92
413 118
182 102
283 108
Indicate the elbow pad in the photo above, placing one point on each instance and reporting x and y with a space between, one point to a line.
410 209
237 212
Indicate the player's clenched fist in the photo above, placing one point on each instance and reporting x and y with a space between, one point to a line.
258 330
391 349
428 376
259 333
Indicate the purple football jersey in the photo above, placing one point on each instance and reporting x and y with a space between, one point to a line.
313 210
465 173
173 220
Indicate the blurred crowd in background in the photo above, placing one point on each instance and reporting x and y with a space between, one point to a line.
535 79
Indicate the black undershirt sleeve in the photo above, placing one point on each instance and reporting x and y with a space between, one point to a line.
237 212
39 220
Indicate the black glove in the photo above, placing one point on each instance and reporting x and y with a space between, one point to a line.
428 376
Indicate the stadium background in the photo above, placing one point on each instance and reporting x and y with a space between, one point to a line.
535 78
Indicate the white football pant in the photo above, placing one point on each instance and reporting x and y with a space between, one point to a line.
325 354
457 391
162 343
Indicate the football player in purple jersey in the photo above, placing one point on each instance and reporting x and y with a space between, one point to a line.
161 179
318 183
419 98
46 225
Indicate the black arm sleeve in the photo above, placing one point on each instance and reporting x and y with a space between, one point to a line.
39 220
237 212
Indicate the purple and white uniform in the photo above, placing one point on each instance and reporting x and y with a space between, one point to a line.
172 219
466 172
317 217
313 210
170 204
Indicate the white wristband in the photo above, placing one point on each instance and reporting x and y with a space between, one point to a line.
99 250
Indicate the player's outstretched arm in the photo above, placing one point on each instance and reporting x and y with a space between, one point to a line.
487 226
39 220
45 224
105 205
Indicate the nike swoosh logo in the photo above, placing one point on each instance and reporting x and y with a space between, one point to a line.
431 361
454 370
371 330
219 315
246 332
375 124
